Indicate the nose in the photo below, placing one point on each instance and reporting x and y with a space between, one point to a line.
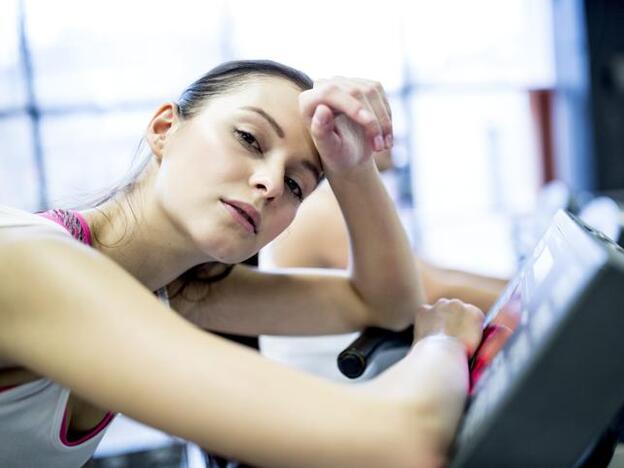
269 181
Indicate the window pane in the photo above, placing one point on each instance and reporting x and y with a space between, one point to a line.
481 41
331 38
474 151
18 178
86 153
479 242
120 51
12 88
476 167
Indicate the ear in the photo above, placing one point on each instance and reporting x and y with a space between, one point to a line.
160 127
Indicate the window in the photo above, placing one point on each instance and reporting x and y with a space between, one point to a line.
77 90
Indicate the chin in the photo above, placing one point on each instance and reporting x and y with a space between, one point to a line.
229 253
236 259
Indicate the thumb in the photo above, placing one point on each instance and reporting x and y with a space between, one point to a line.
323 131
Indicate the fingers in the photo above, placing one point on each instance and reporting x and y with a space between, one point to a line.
462 320
376 97
364 102
458 306
321 127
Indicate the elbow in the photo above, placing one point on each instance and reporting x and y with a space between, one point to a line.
392 310
394 317
388 303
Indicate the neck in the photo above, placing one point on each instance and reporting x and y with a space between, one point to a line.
136 235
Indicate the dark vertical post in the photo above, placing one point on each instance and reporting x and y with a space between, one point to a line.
32 108
589 99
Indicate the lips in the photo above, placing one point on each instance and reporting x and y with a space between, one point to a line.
245 214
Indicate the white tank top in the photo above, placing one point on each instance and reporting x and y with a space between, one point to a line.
33 430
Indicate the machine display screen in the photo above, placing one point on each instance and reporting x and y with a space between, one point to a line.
509 313
558 317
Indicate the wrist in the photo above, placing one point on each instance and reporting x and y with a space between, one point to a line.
354 173
441 338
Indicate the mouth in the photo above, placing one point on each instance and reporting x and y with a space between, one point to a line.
245 214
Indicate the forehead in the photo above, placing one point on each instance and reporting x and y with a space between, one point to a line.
267 87
277 97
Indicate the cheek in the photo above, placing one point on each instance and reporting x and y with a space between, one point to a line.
208 156
172 197
175 185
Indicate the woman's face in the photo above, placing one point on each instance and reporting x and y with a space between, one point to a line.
232 177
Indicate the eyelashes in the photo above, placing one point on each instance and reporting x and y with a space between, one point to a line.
248 140
294 188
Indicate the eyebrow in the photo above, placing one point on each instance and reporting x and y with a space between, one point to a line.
268 118
318 174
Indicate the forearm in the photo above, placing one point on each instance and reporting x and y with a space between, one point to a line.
109 340
432 380
473 288
381 264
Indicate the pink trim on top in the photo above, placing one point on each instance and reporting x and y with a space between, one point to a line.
67 219
72 221
85 227
106 420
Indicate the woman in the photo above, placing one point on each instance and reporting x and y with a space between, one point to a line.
230 163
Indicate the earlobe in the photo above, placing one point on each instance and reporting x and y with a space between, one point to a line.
156 144
159 129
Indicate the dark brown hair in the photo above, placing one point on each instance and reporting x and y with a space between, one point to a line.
220 80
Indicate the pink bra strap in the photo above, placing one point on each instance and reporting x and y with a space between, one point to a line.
71 220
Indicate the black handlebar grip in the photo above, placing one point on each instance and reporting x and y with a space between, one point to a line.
354 359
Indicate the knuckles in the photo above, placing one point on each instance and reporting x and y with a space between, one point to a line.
367 92
357 93
355 87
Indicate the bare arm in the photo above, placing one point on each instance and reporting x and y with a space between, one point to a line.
473 288
283 302
310 244
349 119
381 287
309 301
319 235
381 265
73 315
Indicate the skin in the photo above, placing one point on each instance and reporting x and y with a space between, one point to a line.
163 369
310 244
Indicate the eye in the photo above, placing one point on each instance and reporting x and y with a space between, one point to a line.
294 188
248 140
